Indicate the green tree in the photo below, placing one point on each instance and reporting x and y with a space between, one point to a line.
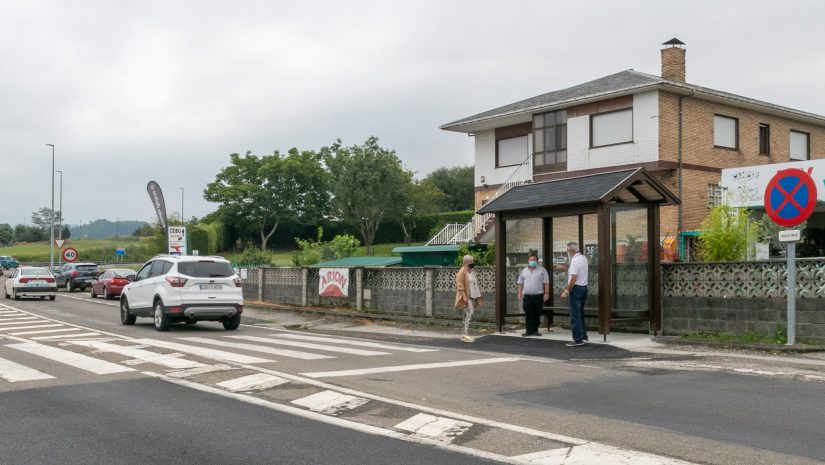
457 185
25 233
727 233
66 232
419 198
368 185
42 218
6 234
144 231
268 190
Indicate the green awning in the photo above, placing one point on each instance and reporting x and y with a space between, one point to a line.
356 262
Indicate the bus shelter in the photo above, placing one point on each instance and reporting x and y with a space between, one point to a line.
614 217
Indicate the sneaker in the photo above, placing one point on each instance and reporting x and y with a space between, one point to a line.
575 344
526 334
466 338
536 334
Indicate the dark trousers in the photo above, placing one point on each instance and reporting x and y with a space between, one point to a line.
532 305
577 298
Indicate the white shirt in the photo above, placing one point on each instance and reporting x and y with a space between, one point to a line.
475 290
578 267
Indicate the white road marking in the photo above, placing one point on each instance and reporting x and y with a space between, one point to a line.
27 319
199 371
374 345
27 333
439 428
97 366
14 328
595 453
421 366
307 345
330 402
14 372
257 348
5 316
203 352
256 382
62 336
169 361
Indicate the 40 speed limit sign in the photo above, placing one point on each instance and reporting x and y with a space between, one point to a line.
69 254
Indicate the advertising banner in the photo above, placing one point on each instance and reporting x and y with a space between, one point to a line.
156 195
177 240
745 186
333 282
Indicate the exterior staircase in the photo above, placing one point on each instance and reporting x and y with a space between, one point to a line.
474 230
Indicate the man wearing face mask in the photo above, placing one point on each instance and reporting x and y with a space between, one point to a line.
533 291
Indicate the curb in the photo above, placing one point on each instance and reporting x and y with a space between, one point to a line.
794 349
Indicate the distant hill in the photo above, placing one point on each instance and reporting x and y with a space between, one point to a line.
104 229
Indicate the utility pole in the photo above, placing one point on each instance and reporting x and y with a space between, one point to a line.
60 226
51 223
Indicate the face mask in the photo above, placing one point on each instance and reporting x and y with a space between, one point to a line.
471 265
532 263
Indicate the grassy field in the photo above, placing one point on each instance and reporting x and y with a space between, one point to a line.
137 250
283 257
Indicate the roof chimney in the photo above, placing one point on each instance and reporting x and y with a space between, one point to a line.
673 60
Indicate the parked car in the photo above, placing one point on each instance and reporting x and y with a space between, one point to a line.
76 276
172 289
30 281
110 283
8 262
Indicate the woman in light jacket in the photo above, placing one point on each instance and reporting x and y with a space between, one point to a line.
467 294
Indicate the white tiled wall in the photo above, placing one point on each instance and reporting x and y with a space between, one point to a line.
486 159
645 146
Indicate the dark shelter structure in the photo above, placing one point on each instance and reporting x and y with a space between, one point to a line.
614 217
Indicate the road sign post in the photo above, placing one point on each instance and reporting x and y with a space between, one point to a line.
790 199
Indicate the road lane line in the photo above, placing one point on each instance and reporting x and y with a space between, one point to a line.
596 453
308 345
27 333
9 322
256 382
91 364
374 345
14 372
330 402
63 336
14 328
257 348
421 366
213 354
199 371
439 428
169 361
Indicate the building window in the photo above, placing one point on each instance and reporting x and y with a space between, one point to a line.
611 128
512 151
550 142
714 195
725 132
800 145
764 139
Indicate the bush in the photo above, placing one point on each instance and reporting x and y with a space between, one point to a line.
727 233
482 256
255 256
312 252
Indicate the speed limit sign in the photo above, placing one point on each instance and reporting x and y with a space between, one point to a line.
69 254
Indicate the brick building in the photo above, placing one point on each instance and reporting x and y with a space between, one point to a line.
683 133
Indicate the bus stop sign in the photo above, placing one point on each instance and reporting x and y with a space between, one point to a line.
790 197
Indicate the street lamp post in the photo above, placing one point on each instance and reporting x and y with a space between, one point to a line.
182 216
51 223
60 225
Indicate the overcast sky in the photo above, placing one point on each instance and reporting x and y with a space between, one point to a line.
165 90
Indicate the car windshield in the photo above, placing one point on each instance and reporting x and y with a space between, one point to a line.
86 268
122 273
6 257
34 272
206 269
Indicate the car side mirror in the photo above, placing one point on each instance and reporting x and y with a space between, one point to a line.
131 278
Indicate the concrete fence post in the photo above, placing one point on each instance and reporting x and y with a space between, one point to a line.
304 286
359 289
429 275
260 284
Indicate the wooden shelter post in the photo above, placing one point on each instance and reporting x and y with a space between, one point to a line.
501 270
605 275
654 269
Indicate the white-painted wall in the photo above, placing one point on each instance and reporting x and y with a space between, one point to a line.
644 148
485 162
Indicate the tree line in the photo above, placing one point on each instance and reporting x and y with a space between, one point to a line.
35 232
363 186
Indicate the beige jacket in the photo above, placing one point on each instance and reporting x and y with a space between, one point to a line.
462 285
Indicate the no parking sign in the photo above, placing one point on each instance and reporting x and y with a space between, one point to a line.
790 197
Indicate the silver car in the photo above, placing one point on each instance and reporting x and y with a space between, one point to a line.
31 281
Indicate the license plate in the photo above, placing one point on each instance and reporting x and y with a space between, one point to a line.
38 283
211 287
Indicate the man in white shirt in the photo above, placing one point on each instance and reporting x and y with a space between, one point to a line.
576 290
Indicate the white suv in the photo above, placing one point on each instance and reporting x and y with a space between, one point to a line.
187 289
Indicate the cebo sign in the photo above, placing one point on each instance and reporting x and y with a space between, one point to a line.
177 240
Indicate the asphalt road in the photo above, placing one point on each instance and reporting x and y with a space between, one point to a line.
432 399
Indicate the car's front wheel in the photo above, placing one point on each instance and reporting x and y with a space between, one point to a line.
161 320
232 323
125 317
51 297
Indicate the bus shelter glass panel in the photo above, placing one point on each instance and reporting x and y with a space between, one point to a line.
524 238
565 229
590 235
629 256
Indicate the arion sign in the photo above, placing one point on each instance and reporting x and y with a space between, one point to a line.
333 282
746 186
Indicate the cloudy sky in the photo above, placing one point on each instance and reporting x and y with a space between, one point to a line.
133 91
